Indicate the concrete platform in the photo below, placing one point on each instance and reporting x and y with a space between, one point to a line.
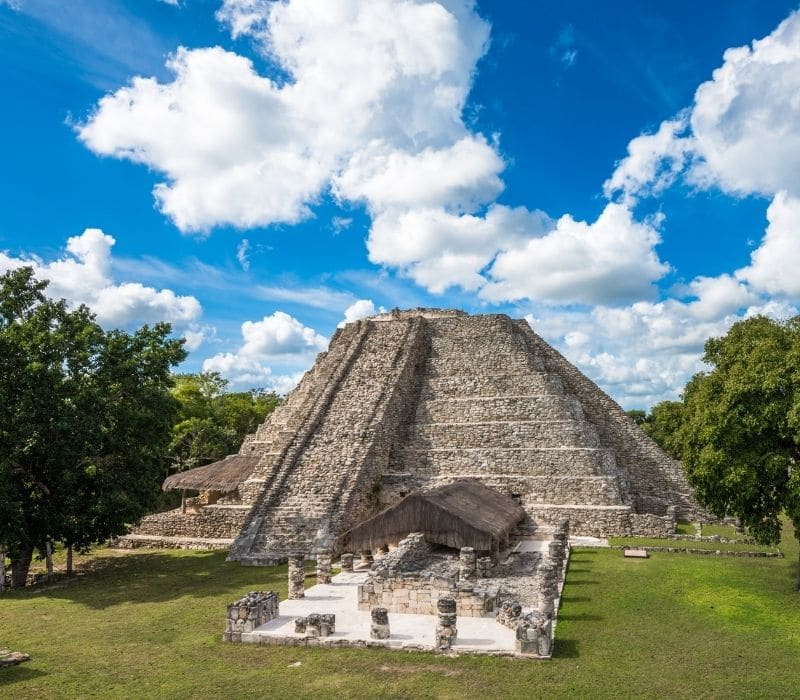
482 635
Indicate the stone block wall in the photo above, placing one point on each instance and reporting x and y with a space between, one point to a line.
216 521
248 613
413 593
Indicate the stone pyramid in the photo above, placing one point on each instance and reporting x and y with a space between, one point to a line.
416 399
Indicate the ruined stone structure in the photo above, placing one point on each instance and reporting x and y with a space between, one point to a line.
417 399
413 400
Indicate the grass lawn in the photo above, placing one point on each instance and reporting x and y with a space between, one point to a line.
684 527
709 530
149 625
689 544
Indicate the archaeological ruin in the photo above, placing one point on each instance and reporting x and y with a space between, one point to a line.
458 457
412 400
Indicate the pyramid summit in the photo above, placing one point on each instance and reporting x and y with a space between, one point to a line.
412 400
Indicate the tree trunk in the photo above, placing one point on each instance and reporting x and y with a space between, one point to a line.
797 584
2 570
69 560
20 566
48 555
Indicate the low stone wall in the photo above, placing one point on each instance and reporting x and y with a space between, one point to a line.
648 525
248 613
419 594
597 521
696 550
216 522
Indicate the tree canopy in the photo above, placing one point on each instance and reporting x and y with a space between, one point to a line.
739 426
87 416
213 422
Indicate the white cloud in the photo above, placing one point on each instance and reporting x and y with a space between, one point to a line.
277 338
360 309
439 249
653 162
644 353
83 275
238 148
746 119
609 261
241 254
774 265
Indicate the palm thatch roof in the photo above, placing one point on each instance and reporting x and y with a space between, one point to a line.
464 513
225 475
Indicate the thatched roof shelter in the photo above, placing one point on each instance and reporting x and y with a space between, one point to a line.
464 513
225 475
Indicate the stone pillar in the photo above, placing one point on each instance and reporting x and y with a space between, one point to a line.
379 629
468 568
366 557
347 562
547 580
556 553
297 577
446 631
562 532
324 568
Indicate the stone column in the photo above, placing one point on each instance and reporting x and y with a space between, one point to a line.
347 562
366 557
379 629
446 631
468 568
547 579
485 566
556 553
297 577
324 568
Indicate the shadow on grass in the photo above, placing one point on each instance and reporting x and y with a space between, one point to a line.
566 648
576 599
155 576
17 674
581 582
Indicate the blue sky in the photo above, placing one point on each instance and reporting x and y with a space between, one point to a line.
625 175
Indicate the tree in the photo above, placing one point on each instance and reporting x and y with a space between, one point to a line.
86 419
740 429
663 424
213 423
637 415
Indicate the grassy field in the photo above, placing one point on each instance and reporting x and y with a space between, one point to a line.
149 624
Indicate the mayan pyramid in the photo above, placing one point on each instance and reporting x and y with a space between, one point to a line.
415 399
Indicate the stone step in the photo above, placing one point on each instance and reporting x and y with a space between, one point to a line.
547 490
564 433
592 521
569 461
542 407
501 383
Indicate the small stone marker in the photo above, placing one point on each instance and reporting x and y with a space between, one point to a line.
379 629
12 658
636 553
446 631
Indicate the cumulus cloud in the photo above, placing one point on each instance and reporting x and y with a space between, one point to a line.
360 309
645 352
277 338
239 148
610 260
83 275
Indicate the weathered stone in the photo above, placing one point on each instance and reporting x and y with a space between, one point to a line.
468 568
250 612
346 562
446 630
379 627
324 568
297 577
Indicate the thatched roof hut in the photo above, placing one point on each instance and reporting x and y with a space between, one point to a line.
225 475
464 513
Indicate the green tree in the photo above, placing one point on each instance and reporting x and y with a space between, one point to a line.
637 415
663 424
212 422
740 429
86 418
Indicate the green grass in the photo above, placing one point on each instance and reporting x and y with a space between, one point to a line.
149 624
728 531
689 544
684 527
